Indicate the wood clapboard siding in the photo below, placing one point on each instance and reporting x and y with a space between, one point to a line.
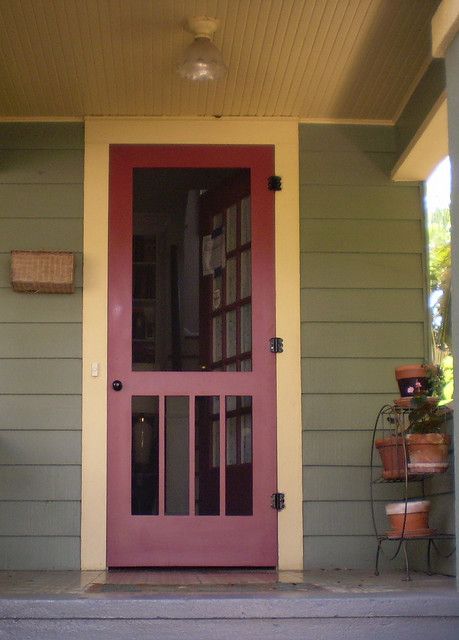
41 201
355 202
63 309
347 552
41 208
39 518
363 313
39 552
358 305
31 482
333 484
361 340
33 233
32 412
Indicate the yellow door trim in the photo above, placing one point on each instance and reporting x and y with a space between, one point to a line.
99 134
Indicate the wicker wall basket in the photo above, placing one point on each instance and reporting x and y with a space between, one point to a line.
43 271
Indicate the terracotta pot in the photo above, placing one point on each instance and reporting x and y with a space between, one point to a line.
408 375
409 519
392 452
408 402
427 452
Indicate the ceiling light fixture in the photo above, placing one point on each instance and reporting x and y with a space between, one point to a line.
202 60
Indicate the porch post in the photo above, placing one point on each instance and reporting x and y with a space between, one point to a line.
452 87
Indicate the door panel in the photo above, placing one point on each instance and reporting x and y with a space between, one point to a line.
191 433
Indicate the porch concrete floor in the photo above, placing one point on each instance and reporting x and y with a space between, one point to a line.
132 583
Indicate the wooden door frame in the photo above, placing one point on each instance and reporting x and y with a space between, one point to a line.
100 133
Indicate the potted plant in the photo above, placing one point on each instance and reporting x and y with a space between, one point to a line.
408 518
416 444
427 446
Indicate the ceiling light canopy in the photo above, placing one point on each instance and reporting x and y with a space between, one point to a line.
202 60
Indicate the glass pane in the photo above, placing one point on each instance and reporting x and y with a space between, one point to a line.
231 334
231 223
239 474
246 231
231 441
177 455
184 225
217 338
231 281
217 221
217 291
246 364
246 274
246 439
246 328
145 455
207 456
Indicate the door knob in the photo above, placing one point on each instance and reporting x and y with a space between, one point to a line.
117 385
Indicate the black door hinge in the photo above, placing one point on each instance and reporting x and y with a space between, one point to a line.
275 183
276 345
278 501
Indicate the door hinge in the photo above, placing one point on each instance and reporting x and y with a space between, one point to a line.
275 183
278 501
276 345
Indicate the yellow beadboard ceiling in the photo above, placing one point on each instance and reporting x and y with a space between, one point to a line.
356 60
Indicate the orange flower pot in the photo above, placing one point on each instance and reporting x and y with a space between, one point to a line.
392 452
428 452
408 375
408 519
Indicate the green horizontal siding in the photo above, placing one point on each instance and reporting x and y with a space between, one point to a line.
50 166
55 201
47 340
351 375
362 340
334 484
337 448
358 305
41 208
40 553
16 307
348 552
338 411
357 202
41 135
41 412
40 447
362 314
40 483
345 168
361 236
343 518
40 518
64 234
362 271
324 138
40 376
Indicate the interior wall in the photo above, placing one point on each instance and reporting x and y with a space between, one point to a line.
41 207
362 314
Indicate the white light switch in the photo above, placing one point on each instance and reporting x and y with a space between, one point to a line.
95 369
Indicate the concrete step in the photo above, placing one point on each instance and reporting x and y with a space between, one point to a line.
380 616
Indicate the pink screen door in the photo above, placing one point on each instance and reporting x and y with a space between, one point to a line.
191 398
